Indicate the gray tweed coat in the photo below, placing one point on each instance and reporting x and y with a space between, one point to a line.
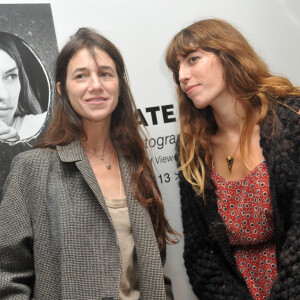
57 240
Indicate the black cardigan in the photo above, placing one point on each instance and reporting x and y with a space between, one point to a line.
208 257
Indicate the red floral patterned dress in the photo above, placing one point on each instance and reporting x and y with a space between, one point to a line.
246 209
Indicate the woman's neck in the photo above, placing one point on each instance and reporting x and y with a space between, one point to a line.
229 117
98 139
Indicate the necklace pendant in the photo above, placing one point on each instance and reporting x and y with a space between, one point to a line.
101 157
108 166
229 160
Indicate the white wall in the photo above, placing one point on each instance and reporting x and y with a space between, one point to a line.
142 30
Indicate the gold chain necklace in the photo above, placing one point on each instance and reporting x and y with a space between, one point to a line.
230 158
101 157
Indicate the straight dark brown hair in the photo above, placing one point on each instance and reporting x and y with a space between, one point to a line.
66 126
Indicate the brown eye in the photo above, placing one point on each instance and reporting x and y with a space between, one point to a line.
106 74
79 76
194 58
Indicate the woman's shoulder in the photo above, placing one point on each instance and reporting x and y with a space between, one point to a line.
30 167
284 119
292 101
288 106
35 153
33 159
288 114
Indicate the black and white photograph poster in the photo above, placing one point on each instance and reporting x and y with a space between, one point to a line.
28 49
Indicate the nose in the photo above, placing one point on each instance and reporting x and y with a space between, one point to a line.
3 91
95 82
184 73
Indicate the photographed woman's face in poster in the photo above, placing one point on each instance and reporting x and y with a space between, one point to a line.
24 91
10 87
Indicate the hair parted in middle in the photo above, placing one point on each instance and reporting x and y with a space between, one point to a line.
247 78
127 136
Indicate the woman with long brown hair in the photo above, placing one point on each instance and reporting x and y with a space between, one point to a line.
82 216
239 166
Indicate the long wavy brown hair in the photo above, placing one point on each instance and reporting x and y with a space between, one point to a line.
66 126
247 78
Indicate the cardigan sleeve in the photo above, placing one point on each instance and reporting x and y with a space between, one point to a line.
208 271
286 181
16 255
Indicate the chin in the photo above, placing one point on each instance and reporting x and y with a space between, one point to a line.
200 106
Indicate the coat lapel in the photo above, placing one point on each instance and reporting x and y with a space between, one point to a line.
74 152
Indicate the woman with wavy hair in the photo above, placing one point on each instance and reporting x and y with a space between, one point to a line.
239 166
21 116
82 216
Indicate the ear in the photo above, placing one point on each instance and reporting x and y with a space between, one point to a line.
58 88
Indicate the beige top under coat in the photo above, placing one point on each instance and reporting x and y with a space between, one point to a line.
129 286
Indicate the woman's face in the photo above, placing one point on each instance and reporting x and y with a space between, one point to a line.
201 78
92 85
10 87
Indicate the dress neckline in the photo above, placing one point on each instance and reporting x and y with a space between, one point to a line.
115 202
214 171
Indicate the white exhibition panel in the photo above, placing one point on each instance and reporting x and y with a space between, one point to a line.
142 29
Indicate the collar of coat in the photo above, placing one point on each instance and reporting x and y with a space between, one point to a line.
71 152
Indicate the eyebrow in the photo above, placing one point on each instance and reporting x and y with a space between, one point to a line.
11 70
100 68
106 68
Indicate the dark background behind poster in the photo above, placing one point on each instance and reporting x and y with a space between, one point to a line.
34 24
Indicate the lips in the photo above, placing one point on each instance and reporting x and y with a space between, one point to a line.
95 99
189 89
5 107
